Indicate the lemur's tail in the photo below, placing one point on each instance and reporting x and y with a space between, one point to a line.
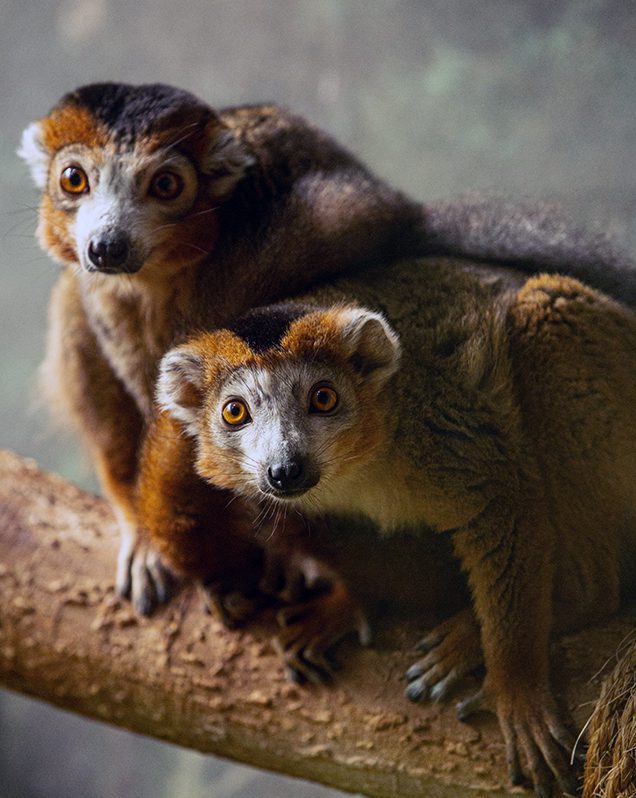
530 236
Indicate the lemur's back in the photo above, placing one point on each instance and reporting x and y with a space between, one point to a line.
450 318
484 349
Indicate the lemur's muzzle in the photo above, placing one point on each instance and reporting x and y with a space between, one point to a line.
110 253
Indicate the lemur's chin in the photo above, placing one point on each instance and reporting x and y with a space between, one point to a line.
284 496
130 267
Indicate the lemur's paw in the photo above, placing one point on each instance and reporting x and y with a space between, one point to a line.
311 629
231 607
141 576
453 650
282 578
538 743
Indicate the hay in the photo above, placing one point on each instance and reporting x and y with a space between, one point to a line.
610 770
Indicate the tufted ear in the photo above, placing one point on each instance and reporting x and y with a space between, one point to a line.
225 160
372 346
33 151
180 386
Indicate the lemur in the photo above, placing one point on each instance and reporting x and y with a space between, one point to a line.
497 412
170 216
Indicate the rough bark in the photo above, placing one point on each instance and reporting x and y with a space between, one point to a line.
182 677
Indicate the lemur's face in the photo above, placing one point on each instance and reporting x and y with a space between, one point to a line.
292 420
130 177
288 425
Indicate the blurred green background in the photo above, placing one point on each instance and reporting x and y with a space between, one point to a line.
527 98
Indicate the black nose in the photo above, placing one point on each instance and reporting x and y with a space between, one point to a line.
286 476
109 252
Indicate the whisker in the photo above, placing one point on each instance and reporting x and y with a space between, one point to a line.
195 246
162 227
232 500
207 210
189 128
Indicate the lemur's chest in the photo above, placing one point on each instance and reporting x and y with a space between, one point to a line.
135 325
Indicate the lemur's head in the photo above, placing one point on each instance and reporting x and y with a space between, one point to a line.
130 177
288 402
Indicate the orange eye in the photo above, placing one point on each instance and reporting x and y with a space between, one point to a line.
73 180
322 399
166 185
235 413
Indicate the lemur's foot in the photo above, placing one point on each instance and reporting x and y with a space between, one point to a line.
232 607
538 743
453 650
311 629
141 576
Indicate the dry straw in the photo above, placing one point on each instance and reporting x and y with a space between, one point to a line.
610 770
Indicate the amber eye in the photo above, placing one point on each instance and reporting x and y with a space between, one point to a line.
322 399
235 413
73 180
166 185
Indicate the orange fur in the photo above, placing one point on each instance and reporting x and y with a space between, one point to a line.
199 532
71 124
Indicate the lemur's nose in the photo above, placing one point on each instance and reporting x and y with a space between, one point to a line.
109 252
286 476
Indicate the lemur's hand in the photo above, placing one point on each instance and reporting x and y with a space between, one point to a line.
141 575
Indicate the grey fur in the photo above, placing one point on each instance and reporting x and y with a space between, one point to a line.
531 233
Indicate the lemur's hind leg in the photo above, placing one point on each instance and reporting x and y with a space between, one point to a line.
452 650
311 629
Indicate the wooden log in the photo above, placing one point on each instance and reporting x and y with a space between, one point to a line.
182 677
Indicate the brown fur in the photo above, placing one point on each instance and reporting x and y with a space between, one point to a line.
279 207
514 431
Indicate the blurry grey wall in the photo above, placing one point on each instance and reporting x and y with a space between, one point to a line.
531 97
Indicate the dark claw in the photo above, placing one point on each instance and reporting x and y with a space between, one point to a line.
515 772
469 706
293 675
428 643
416 691
226 619
414 672
213 605
163 591
320 664
440 691
123 588
144 604
302 672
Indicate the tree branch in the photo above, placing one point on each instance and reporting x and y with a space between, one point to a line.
182 677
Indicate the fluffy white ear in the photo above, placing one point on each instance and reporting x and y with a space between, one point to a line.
372 345
225 161
180 386
32 150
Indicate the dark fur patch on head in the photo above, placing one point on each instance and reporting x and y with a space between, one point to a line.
130 112
264 328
